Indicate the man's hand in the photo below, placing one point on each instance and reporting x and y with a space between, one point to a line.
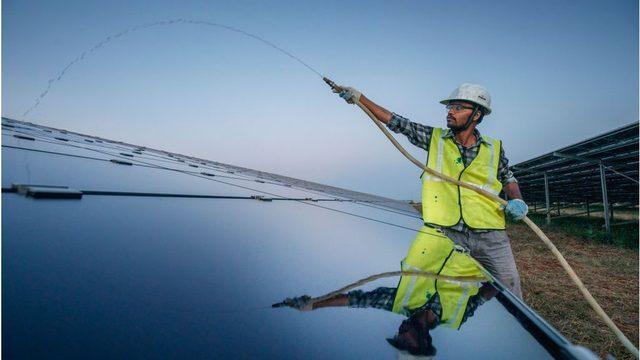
516 209
301 303
349 94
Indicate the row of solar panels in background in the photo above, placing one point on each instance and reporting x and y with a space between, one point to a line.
573 172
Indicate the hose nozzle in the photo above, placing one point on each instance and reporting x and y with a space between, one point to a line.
333 85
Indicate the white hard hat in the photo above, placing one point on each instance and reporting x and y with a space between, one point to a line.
472 93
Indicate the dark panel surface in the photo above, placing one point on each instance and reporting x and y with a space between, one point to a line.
128 276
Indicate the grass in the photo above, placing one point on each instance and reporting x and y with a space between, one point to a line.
610 273
591 230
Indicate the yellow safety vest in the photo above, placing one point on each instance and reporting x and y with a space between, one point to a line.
431 251
444 203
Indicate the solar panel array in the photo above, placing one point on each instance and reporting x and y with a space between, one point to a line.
127 154
112 250
573 172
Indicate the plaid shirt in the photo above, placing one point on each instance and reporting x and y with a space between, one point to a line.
420 136
383 297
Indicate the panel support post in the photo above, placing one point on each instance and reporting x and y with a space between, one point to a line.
605 200
546 195
611 216
588 212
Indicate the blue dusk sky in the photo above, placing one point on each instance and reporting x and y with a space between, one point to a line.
558 72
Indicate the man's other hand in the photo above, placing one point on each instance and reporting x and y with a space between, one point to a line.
516 209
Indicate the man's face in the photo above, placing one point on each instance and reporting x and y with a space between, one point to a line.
458 114
413 334
408 337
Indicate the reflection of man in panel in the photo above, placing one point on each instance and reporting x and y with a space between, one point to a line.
427 302
466 217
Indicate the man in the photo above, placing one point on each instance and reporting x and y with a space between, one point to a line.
466 217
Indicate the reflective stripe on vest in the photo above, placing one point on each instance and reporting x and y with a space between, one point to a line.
444 203
431 251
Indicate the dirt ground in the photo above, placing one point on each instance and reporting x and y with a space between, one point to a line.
610 273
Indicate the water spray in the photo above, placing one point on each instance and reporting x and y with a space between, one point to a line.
133 29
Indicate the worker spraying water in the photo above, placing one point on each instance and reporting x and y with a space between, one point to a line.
461 152
516 208
460 225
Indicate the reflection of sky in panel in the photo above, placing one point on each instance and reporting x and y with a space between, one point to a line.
411 222
50 169
142 155
163 267
485 327
10 140
109 150
78 146
46 169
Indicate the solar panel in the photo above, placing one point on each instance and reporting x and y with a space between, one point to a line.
573 172
157 258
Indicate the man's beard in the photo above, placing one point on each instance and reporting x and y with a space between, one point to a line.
454 127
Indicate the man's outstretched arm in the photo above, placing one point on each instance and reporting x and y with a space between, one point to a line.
418 134
381 113
351 95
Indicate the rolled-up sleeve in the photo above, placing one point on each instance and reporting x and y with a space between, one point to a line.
418 134
504 174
